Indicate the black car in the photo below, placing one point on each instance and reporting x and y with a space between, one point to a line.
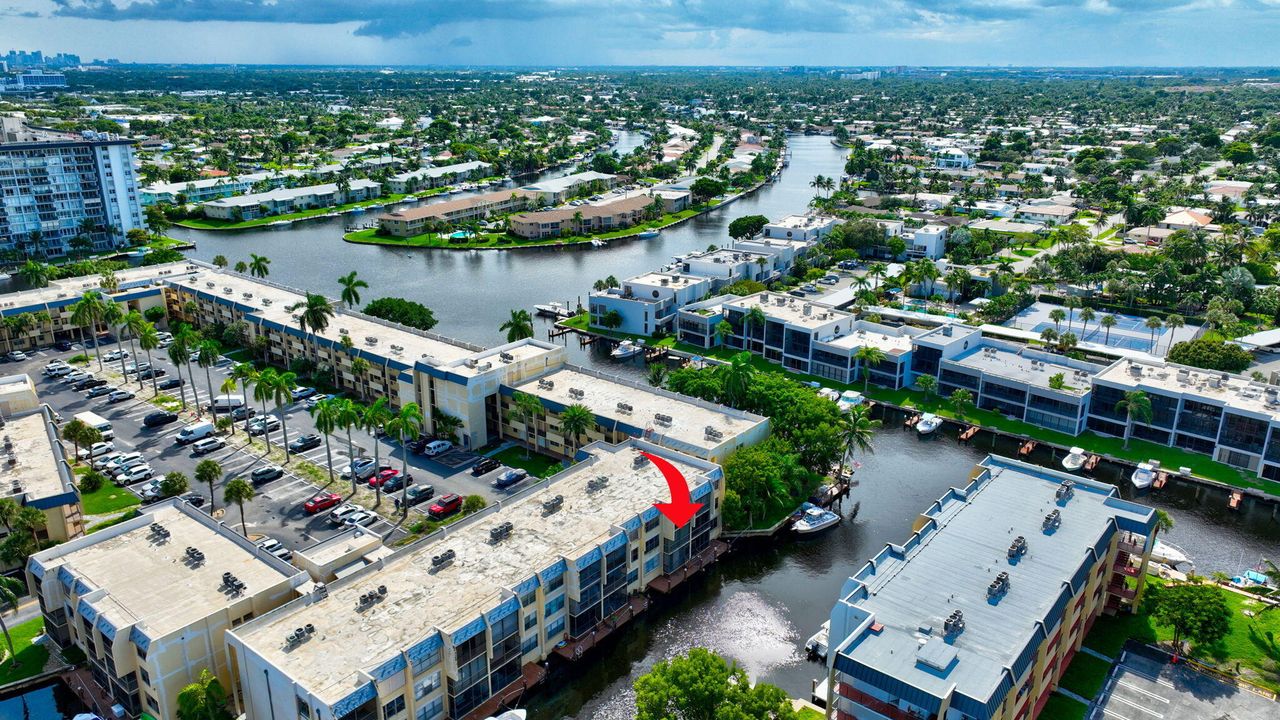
306 442
196 499
394 484
62 345
418 494
243 412
171 383
88 384
416 445
158 418
265 474
152 373
486 464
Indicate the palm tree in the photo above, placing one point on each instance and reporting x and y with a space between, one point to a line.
957 280
1153 324
868 356
528 408
313 312
1057 315
208 353
737 377
35 274
245 373
259 265
1071 304
405 424
755 318
189 340
1136 405
374 419
347 415
208 472
657 374
85 313
325 415
1173 322
961 400
519 326
1086 314
878 271
927 383
856 430
264 390
134 322
1108 322
1048 336
229 387
32 519
351 286
575 420
113 318
148 340
239 491
282 385
10 590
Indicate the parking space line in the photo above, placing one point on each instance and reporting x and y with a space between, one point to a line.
1148 693
1153 678
1137 706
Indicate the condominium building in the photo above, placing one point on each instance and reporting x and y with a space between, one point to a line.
205 189
977 615
728 265
647 303
809 228
589 218
433 177
558 190
35 472
287 200
463 620
57 186
928 242
418 220
149 601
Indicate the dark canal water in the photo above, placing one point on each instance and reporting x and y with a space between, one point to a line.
52 700
759 605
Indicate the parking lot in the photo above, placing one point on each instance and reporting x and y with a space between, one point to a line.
1144 686
277 509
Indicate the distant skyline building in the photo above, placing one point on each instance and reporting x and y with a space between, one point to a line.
55 186
36 58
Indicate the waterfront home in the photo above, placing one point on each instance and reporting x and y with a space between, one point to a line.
205 189
453 624
282 201
583 220
979 612
407 222
433 177
1046 214
727 265
557 190
928 242
149 601
810 228
673 201
647 302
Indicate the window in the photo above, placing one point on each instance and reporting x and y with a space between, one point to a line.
652 523
651 544
146 678
427 662
151 703
555 628
304 710
393 708
527 599
530 621
555 605
431 710
530 644
556 583
426 685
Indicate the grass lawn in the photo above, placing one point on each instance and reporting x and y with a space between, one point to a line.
1061 707
238 355
1086 675
122 517
107 499
215 224
541 465
808 713
31 658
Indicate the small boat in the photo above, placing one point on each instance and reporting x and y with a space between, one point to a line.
1143 476
848 399
814 519
509 715
597 242
928 423
1170 554
816 646
649 234
627 349
553 309
829 394
1074 460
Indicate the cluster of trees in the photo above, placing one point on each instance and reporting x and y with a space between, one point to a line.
402 311
701 685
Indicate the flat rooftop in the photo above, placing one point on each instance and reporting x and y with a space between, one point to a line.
568 182
802 222
420 602
286 194
603 393
1016 366
441 208
791 310
674 279
893 341
149 580
68 290
38 471
1236 391
949 566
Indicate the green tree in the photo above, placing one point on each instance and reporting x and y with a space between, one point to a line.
239 492
961 401
528 408
148 340
220 261
657 373
282 385
575 420
856 431
204 699
519 326
1198 613
375 418
1107 322
351 286
259 265
86 313
313 313
1136 406
174 484
325 415
347 415
928 384
35 274
75 431
208 472
736 378
868 356
701 685
11 590
401 311
404 425
264 391
747 226
208 352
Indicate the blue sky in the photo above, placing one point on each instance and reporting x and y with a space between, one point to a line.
647 32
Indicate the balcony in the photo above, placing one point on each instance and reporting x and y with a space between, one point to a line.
889 710
1129 547
1119 590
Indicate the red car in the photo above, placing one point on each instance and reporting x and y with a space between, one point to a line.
323 501
447 505
382 477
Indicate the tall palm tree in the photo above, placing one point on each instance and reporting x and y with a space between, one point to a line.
85 313
957 280
868 356
405 424
189 339
575 420
10 590
754 321
134 322
208 352
325 415
259 265
208 472
347 415
856 430
282 391
245 373
178 353
1107 322
351 287
113 318
737 377
528 408
148 340
228 387
1136 405
1057 315
1153 324
264 390
35 274
1086 314
239 491
313 313
1173 322
519 326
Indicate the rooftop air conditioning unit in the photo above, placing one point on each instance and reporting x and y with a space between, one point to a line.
552 504
625 408
343 331
370 340
545 384
506 357
577 393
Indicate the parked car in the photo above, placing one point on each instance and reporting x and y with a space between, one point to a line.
99 391
360 518
54 365
243 412
829 280
96 449
134 474
810 288
382 477
445 506
416 445
208 445
360 468
514 476
417 494
275 547
16 355
152 373
58 371
396 483
120 396
306 442
796 293
149 492
264 424
88 384
302 392
74 377
62 345
437 447
485 465
194 432
315 400
266 474
340 515
196 499
134 367
321 502
119 473
109 462
171 383
115 355
158 418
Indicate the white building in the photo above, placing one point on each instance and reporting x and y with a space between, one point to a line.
432 177
928 242
287 200
801 227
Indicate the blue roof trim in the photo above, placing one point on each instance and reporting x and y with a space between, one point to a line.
468 631
35 568
65 577
1081 576
701 491
139 638
1029 651
615 542
106 628
389 668
1103 544
507 607
553 572
348 704
425 648
591 557
649 513
1054 616
527 586
81 587
889 684
87 611
633 524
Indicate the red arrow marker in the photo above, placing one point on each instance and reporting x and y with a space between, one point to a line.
681 509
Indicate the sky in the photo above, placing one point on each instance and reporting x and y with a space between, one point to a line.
654 32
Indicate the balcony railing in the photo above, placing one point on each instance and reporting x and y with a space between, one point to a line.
889 710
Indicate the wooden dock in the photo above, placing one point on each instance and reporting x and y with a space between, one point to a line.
1237 497
1091 462
1027 448
912 420
967 434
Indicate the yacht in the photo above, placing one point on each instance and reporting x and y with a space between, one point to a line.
814 519
1074 460
1143 476
817 644
928 423
1170 555
649 234
509 715
627 349
848 399
553 309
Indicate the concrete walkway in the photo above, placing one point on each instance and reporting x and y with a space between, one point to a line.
1090 651
1073 696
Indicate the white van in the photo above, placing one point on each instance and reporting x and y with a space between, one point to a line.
197 431
227 403
97 422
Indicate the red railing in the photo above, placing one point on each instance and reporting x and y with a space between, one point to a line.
877 705
1119 590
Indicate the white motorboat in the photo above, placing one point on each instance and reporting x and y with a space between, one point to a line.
817 643
928 423
848 399
553 309
829 394
627 349
649 234
509 715
1143 476
597 242
814 519
1074 460
1170 555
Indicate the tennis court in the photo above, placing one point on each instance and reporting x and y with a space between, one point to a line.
1129 332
